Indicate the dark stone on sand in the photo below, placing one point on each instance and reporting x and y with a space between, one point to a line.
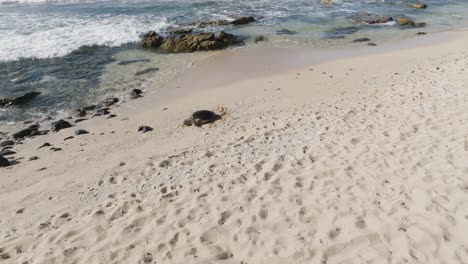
145 129
111 116
19 100
367 18
145 71
422 33
44 145
80 120
68 138
202 117
59 125
285 32
4 162
243 20
110 101
80 112
372 44
259 39
7 143
136 93
27 132
152 40
102 111
7 152
133 61
33 158
56 149
362 40
81 132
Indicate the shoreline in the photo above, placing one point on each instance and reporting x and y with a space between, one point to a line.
343 145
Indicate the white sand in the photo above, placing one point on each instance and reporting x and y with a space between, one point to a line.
367 166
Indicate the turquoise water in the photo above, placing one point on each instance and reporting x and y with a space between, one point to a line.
72 51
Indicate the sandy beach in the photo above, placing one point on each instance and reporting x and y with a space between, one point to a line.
355 159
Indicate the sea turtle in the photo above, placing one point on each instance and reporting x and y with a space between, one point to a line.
202 117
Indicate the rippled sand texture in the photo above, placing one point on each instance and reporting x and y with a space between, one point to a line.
372 171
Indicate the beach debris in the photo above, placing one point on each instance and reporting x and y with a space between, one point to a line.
7 143
419 5
136 93
362 40
19 100
367 18
4 162
145 129
243 20
201 117
259 39
59 125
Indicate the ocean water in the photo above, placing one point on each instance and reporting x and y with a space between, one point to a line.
76 52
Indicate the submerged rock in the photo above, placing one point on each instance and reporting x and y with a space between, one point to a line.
285 32
19 100
406 21
341 32
243 20
145 71
4 162
367 18
59 125
259 39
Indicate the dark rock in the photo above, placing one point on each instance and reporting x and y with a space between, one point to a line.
27 132
44 145
80 112
341 32
7 143
19 100
33 158
152 40
210 24
59 125
110 101
422 33
362 40
133 61
89 107
405 21
56 149
68 138
145 129
372 44
367 18
102 111
243 20
111 116
419 5
202 117
259 39
199 42
80 120
179 31
81 132
7 152
136 93
145 71
285 32
39 132
4 162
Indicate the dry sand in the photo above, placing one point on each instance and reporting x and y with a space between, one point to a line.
357 160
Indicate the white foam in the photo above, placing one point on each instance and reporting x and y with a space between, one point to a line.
60 36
